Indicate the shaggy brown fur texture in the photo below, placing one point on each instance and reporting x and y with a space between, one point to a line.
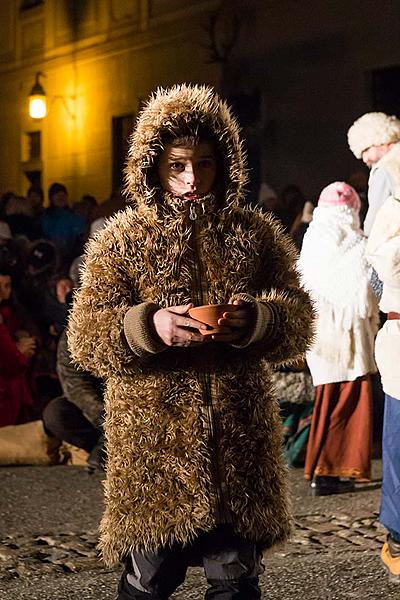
158 488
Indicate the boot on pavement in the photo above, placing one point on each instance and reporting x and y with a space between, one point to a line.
390 556
323 485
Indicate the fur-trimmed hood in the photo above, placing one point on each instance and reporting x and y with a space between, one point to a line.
174 111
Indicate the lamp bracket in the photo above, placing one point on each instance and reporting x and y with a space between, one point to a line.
64 99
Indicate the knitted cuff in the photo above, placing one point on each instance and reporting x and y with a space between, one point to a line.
136 330
266 321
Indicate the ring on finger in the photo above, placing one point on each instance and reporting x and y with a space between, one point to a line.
186 323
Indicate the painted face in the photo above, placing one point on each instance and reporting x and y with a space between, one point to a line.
371 155
188 172
5 287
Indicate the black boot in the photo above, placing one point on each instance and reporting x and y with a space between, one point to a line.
243 589
325 486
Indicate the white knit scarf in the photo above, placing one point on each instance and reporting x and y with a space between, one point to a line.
332 265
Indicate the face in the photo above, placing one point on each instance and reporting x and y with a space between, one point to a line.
59 199
63 287
188 172
5 287
374 153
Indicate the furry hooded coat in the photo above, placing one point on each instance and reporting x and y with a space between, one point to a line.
193 434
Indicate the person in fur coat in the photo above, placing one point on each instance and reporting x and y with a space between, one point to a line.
195 471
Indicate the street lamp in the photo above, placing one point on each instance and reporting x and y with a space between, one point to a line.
37 99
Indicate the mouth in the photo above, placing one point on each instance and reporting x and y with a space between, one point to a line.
191 196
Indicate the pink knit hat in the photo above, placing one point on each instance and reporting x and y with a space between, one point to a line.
339 193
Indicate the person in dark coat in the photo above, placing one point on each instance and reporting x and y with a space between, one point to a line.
76 417
61 225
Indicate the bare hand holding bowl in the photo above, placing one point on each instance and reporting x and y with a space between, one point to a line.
210 315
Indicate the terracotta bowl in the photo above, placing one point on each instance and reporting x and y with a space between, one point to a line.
209 314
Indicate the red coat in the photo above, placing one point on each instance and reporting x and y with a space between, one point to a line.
15 395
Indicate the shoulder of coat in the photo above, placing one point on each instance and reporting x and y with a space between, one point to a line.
265 223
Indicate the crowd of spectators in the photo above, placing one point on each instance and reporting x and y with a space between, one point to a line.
40 253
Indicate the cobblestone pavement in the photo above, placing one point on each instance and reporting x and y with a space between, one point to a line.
68 552
334 553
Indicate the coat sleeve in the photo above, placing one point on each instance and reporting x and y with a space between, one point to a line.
383 253
96 338
81 388
283 311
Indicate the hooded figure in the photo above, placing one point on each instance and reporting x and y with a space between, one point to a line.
341 359
192 426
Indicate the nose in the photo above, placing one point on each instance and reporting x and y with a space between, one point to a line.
190 175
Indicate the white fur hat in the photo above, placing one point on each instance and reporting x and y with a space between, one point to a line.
372 129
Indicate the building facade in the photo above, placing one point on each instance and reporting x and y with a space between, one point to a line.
297 74
99 60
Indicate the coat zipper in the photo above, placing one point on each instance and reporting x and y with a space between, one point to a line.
205 378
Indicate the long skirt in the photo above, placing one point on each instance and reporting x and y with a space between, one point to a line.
390 499
341 431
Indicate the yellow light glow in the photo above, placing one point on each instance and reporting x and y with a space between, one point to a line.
37 107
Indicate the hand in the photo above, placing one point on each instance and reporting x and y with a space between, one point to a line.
175 327
27 346
237 322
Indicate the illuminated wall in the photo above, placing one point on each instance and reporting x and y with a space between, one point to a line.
100 59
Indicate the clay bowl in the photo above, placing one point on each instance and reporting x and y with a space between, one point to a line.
209 314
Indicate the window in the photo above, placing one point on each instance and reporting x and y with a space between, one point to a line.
34 145
31 146
34 178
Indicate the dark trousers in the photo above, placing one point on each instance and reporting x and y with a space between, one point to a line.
231 564
65 421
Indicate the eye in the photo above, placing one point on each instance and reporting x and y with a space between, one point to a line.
177 166
206 163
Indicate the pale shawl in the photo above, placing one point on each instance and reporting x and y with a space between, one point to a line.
334 270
